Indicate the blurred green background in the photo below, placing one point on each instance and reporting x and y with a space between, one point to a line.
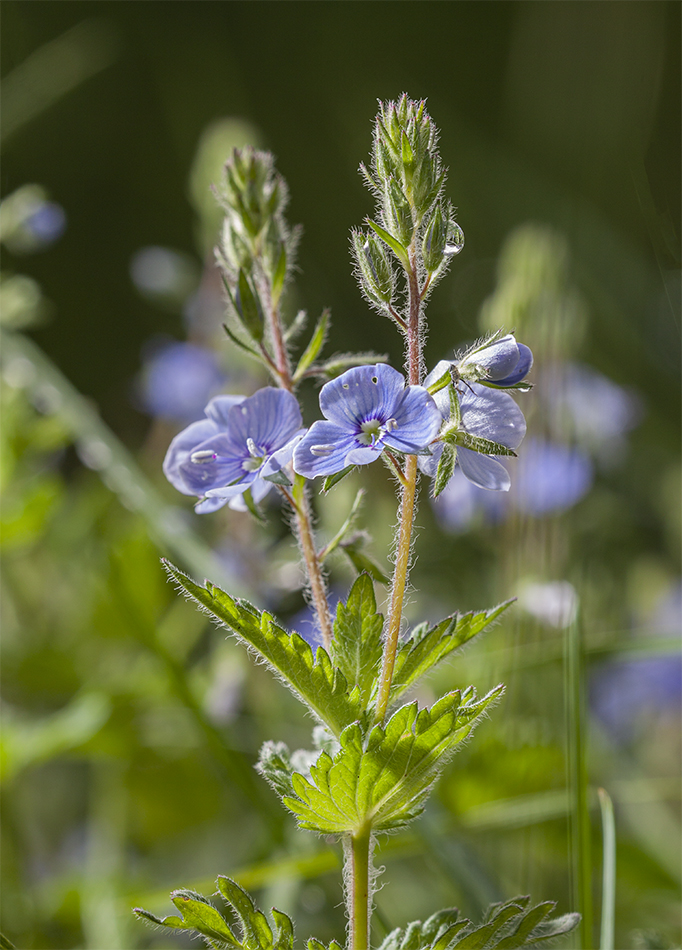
129 723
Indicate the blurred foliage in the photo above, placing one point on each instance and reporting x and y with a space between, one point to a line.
129 724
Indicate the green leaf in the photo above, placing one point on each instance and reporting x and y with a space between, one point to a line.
445 470
357 645
240 343
315 944
280 274
362 562
197 913
313 348
334 479
296 326
339 363
256 931
200 916
312 679
395 245
253 507
507 926
426 647
383 780
347 525
248 307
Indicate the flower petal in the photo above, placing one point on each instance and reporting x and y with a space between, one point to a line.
418 421
202 476
492 415
281 457
498 359
322 433
218 409
521 369
181 448
483 470
270 417
362 393
428 464
208 505
364 454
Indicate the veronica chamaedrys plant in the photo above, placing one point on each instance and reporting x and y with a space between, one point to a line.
375 757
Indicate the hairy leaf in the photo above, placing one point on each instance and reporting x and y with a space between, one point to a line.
357 646
512 925
426 647
201 917
384 779
312 678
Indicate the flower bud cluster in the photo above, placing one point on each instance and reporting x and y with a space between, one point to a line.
257 247
414 220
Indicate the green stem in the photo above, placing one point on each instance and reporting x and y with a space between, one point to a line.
407 503
360 897
313 562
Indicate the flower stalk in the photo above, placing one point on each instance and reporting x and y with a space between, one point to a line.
358 865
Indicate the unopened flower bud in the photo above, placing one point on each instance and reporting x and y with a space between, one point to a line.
375 267
398 213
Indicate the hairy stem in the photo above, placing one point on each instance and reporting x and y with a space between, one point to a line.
358 864
298 499
313 564
407 504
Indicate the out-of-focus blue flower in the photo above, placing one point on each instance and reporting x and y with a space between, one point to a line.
237 446
486 413
499 362
551 477
178 380
366 410
587 406
47 223
458 505
621 691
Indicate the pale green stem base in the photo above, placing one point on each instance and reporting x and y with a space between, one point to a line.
358 850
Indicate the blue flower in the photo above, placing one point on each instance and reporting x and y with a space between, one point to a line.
487 414
367 409
499 362
239 444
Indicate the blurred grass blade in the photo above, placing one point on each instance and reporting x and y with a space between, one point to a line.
608 894
100 450
581 860
54 70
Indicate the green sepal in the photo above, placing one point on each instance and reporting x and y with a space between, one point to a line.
399 213
314 347
395 245
248 308
312 678
334 479
6 943
315 944
383 780
474 442
521 387
428 646
445 470
278 478
357 646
